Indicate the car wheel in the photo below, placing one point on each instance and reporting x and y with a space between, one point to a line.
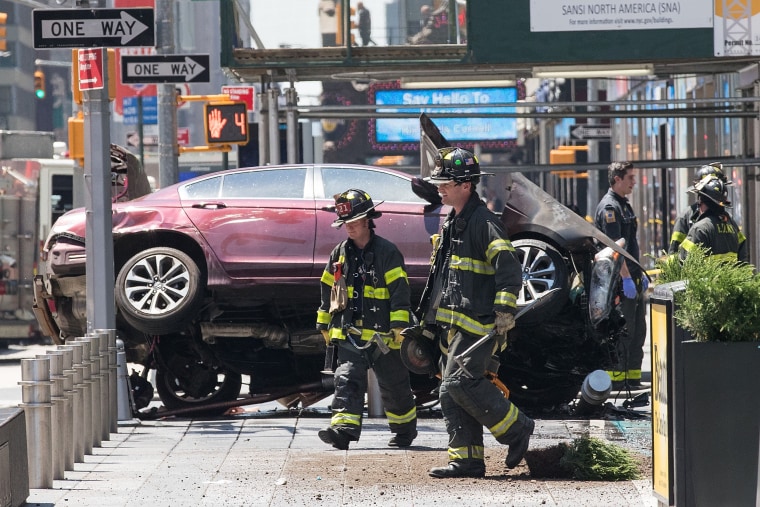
543 270
159 290
190 383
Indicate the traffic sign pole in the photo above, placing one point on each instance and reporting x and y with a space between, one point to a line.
97 177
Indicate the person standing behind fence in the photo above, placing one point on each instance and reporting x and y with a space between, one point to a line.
365 24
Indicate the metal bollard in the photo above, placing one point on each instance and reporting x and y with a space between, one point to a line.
110 352
67 433
79 405
108 349
90 345
123 388
58 414
100 355
84 367
35 395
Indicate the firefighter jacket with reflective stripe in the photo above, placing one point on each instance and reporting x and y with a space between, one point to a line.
378 290
686 220
475 272
715 231
615 217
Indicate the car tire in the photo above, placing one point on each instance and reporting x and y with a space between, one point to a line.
174 396
543 269
159 290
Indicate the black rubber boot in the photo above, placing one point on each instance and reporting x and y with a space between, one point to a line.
518 449
460 468
402 439
334 437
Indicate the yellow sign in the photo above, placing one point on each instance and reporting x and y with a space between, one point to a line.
660 375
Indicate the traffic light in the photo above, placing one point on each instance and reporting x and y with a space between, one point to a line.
3 31
226 123
39 84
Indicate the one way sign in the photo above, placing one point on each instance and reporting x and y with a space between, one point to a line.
588 131
165 69
91 28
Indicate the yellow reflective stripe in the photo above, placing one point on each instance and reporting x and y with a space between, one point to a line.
470 452
462 321
403 418
394 274
617 375
742 237
400 315
504 298
346 418
496 246
727 257
688 245
634 374
327 278
469 264
503 426
323 317
678 237
376 293
350 291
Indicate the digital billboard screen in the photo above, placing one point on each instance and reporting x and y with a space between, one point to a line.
454 128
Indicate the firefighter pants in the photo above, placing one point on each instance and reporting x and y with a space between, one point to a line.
351 386
468 404
630 347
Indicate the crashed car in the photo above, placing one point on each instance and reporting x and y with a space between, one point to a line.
218 278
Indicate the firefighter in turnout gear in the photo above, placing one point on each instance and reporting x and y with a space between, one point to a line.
615 217
689 215
471 290
713 228
365 292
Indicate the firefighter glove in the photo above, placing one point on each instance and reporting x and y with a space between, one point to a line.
504 322
397 336
326 336
629 288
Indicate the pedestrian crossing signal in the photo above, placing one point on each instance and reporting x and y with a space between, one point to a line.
226 123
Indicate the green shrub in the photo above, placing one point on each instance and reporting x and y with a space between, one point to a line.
721 301
592 459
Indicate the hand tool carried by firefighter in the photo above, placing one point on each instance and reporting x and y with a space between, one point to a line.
376 339
459 359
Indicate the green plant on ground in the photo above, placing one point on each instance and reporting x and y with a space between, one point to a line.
592 459
721 300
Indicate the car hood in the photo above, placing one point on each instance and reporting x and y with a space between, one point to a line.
530 210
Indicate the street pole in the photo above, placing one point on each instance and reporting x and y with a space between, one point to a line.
97 177
168 171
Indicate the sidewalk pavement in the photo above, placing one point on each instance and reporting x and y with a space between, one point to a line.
275 458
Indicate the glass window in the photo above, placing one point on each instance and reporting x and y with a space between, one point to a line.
275 184
204 189
381 186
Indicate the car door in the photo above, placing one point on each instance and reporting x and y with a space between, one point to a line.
404 220
260 223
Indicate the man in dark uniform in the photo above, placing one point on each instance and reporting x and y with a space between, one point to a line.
472 290
689 215
615 217
374 300
713 228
